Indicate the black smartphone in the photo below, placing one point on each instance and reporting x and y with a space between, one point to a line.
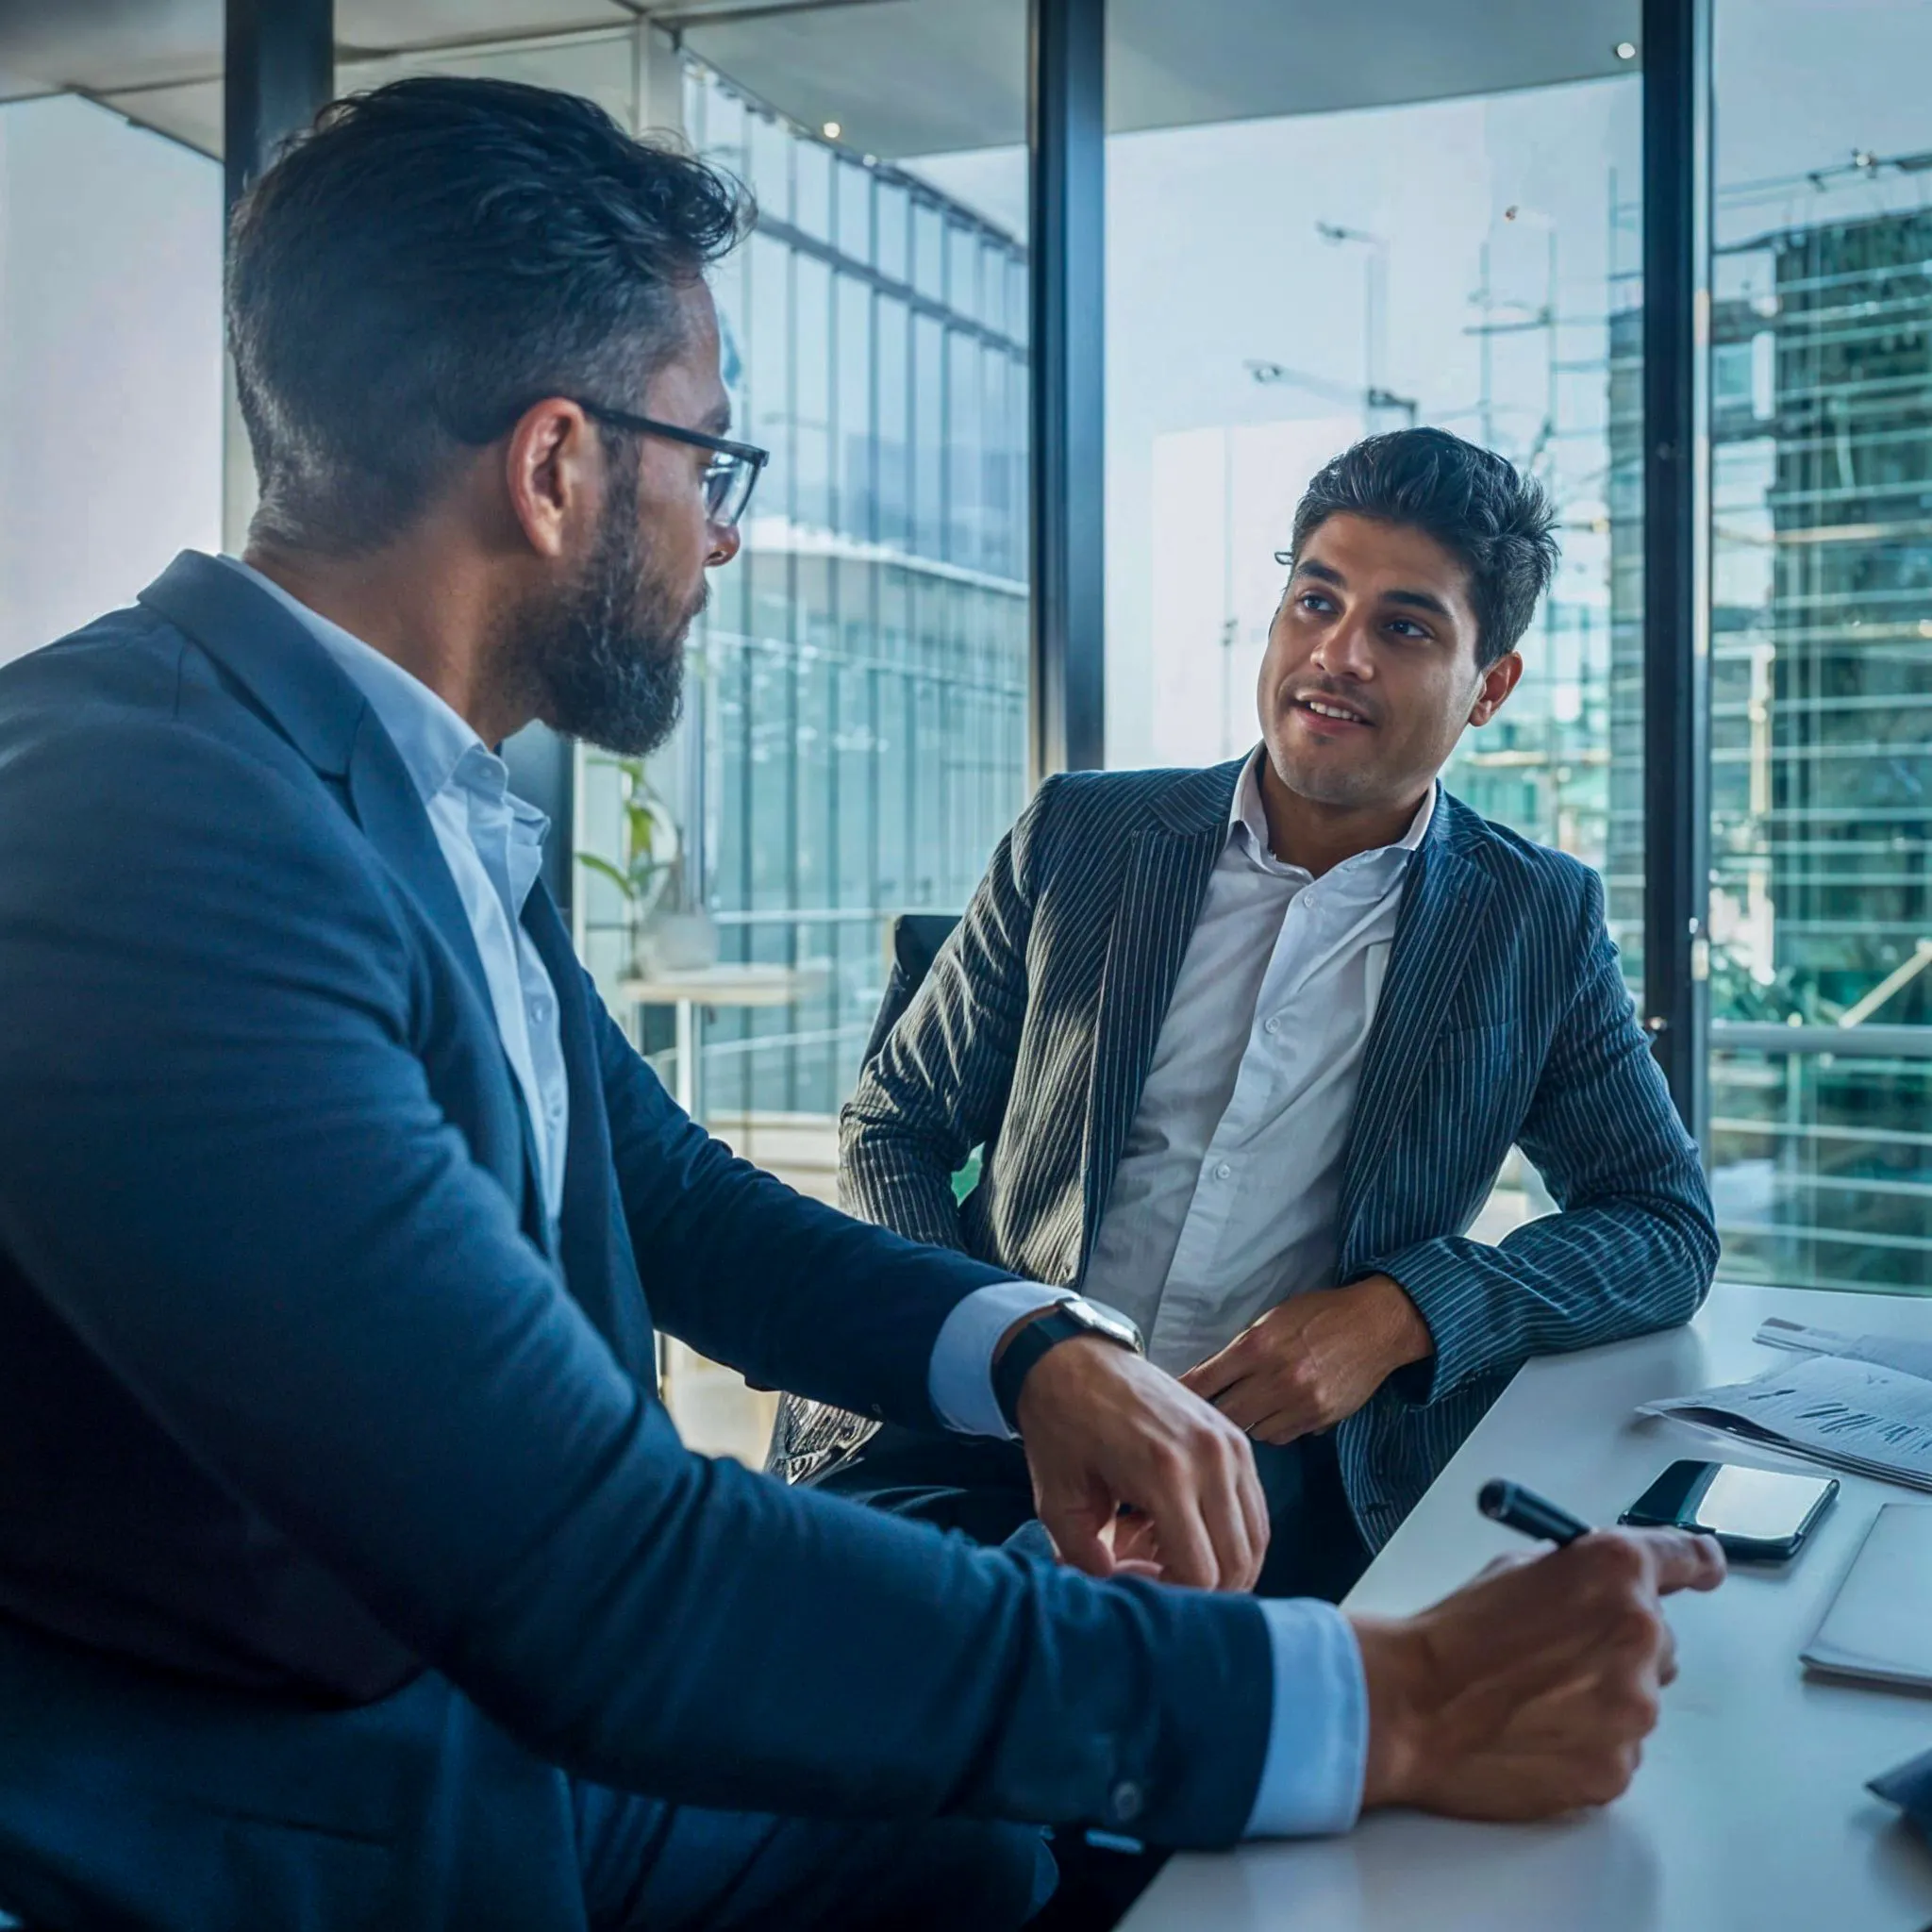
1757 1515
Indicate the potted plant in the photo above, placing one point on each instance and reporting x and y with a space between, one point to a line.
667 935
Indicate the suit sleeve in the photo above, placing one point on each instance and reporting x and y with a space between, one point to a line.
1635 1244
937 1088
223 1169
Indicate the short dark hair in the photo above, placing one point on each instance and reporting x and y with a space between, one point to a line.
430 259
1495 520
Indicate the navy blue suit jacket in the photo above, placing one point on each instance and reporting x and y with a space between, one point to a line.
295 1401
1503 1021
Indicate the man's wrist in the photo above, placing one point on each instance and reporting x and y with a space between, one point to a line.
1393 1318
1394 1667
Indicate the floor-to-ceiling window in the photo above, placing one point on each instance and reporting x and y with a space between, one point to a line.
1325 257
1820 918
859 682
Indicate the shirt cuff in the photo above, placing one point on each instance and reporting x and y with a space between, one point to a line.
1318 1745
960 1380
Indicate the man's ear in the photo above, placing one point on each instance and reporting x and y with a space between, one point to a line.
1499 680
550 466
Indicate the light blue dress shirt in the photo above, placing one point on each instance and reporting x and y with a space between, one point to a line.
492 841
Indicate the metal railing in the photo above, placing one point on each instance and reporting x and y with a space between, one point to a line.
1861 1043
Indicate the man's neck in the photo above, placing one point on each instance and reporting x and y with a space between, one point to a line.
429 621
1318 836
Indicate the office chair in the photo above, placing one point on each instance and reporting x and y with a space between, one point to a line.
807 1436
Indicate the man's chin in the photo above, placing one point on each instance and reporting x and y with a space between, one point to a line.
1327 782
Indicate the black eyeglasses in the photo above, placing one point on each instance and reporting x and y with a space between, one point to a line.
730 476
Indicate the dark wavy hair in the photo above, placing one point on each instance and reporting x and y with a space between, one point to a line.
431 258
1493 519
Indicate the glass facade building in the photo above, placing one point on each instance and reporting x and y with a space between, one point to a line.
856 732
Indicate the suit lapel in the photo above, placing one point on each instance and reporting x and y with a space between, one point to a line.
1168 866
318 707
1443 906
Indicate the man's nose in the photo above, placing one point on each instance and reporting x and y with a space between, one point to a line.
1344 651
724 545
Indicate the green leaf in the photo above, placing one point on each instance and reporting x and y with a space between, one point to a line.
623 881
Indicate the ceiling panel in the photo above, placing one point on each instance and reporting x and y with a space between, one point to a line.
95 45
391 24
113 46
901 77
190 112
919 76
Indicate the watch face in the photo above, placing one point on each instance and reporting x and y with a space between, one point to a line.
1116 1327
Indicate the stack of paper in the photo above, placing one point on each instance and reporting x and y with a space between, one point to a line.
1876 1627
1856 1407
1888 1351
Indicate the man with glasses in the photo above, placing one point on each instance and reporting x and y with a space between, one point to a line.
351 1573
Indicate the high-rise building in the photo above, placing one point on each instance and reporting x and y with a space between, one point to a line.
1820 912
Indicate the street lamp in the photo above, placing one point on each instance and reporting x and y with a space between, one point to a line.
1375 314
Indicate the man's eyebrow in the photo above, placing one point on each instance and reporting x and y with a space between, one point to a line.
1423 600
717 418
1414 600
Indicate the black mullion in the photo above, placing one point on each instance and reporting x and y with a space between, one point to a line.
1067 130
1676 528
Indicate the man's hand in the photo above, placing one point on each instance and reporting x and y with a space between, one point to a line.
1103 1429
1528 1692
1313 1360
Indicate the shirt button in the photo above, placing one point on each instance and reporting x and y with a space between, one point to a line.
1272 1027
1128 1801
1222 1173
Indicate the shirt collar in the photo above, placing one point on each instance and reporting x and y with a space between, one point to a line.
1247 823
430 736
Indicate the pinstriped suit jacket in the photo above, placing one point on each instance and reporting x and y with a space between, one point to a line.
1503 1019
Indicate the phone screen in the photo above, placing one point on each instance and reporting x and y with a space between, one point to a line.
1760 1503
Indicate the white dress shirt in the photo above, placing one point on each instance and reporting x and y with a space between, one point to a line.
1225 1198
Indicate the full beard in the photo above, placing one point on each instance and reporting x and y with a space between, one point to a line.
603 659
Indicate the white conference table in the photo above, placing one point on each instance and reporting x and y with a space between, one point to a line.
1749 1812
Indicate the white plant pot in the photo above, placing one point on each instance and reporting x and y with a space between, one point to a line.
674 941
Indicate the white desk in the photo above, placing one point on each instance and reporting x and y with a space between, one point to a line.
727 984
1749 1812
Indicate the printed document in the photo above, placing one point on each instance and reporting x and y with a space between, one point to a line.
1838 1408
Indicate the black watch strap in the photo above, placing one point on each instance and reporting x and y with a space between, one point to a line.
1043 1332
